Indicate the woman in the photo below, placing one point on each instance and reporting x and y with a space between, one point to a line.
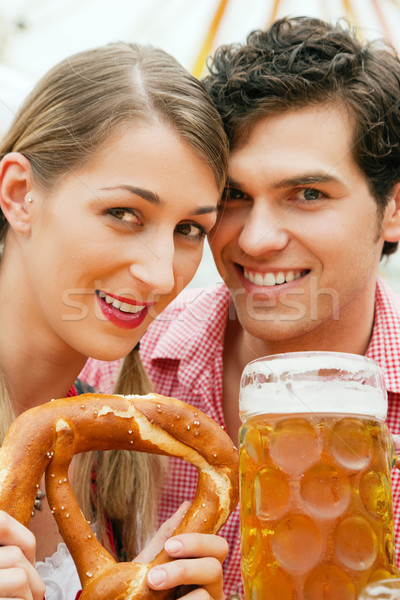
109 181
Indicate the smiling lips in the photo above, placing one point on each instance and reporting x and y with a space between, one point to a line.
272 279
122 312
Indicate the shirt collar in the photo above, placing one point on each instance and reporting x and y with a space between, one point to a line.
199 327
384 346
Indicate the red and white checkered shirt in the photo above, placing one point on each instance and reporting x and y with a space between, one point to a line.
182 352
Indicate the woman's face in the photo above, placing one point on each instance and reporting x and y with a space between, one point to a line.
116 241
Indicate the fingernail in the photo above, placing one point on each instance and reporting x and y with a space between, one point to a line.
173 546
156 576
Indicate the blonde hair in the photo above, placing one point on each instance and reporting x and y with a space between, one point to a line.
68 116
125 490
7 414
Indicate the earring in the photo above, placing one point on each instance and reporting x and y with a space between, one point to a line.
29 200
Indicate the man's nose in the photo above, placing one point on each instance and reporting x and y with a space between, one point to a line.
264 230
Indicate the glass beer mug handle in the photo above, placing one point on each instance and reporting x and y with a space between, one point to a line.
388 589
395 450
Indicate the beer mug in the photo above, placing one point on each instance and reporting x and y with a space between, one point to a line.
315 463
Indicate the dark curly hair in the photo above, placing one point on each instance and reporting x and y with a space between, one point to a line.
303 61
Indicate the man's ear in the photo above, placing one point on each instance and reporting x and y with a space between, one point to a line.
391 221
15 191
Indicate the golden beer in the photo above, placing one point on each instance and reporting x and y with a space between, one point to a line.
316 510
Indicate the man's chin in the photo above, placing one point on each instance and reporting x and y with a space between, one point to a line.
273 327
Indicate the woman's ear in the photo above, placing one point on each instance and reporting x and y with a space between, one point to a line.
15 189
391 221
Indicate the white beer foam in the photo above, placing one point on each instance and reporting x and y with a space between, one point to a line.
329 397
274 386
300 362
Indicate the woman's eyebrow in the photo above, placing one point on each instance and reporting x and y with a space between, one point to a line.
155 198
137 191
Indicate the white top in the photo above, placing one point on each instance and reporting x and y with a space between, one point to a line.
59 575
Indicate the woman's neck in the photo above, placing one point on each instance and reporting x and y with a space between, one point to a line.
36 365
33 380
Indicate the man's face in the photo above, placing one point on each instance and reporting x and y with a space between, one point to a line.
298 239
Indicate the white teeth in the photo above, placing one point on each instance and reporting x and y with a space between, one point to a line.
258 279
290 276
280 278
271 279
123 306
130 308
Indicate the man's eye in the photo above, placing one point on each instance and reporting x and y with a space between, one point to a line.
191 230
311 194
126 215
230 193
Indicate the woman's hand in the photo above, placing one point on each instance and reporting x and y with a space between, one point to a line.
18 576
198 561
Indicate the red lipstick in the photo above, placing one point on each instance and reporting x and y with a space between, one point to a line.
122 312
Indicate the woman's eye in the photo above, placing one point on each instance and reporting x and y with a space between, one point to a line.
191 230
126 215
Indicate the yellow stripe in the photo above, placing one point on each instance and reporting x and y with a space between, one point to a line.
274 13
207 44
350 14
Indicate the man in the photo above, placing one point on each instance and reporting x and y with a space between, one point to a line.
311 206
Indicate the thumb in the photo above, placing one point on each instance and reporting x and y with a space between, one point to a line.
157 542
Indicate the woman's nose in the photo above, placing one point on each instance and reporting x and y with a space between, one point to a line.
155 267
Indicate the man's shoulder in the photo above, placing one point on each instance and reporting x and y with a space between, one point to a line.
387 299
384 346
193 307
195 313
196 297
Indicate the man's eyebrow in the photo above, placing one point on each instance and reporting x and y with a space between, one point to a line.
307 179
233 183
205 210
137 191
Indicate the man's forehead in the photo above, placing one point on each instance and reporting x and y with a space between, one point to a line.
297 147
260 124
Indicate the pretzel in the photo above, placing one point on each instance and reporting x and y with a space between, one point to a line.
45 438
